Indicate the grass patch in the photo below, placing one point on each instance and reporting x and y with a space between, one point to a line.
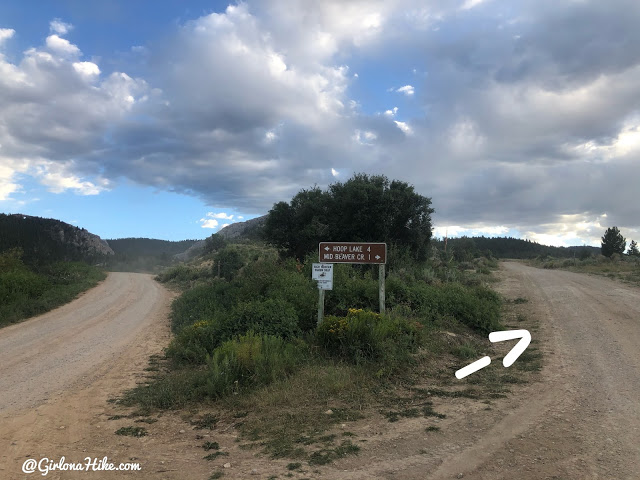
146 420
211 446
214 455
432 428
328 455
294 466
132 431
208 420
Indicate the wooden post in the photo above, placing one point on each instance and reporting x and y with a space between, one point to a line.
320 305
381 287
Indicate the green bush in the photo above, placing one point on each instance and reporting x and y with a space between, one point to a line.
201 303
196 341
181 274
230 262
363 336
250 360
475 306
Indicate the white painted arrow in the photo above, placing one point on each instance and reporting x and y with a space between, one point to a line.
509 359
521 346
326 249
377 257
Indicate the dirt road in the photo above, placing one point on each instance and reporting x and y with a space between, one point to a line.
59 370
50 353
581 421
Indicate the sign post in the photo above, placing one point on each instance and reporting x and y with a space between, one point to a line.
381 292
323 274
354 252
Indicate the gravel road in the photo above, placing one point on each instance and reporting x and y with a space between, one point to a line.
581 420
50 353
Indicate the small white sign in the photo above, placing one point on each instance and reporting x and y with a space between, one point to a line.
322 271
323 274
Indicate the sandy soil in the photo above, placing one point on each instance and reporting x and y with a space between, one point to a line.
580 421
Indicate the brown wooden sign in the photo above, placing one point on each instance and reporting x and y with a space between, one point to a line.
352 252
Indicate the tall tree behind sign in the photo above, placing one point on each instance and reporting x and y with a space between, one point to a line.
365 208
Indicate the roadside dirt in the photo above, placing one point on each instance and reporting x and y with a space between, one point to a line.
580 421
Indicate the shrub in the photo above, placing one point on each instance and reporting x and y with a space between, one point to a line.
201 303
272 316
250 360
196 341
476 306
364 336
230 261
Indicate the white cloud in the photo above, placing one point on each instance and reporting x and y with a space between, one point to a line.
59 27
224 225
469 4
58 178
62 46
334 172
87 69
365 137
220 216
5 34
208 223
406 129
408 90
392 112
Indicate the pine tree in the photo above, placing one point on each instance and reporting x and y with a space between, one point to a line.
633 249
613 242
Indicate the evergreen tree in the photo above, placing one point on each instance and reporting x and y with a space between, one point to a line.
633 249
365 208
612 242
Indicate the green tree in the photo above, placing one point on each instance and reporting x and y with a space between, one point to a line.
612 242
214 243
633 249
228 261
364 208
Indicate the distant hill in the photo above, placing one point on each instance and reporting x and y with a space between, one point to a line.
45 240
251 229
235 232
148 246
509 247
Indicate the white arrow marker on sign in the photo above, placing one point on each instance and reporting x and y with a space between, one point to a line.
509 359
326 249
377 257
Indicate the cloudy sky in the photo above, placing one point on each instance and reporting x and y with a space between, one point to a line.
158 119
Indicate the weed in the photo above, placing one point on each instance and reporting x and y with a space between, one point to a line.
211 446
328 455
432 428
208 420
294 466
132 431
214 455
146 420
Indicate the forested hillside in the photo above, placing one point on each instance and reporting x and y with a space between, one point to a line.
466 248
45 263
45 240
